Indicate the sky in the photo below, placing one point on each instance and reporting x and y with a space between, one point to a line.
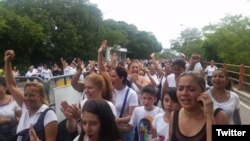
167 18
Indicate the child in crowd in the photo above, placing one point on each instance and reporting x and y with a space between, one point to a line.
169 103
143 116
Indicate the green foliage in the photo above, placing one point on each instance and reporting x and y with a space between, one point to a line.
175 44
194 47
229 40
190 42
19 33
43 31
140 44
167 53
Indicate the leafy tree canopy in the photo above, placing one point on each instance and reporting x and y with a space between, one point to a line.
65 28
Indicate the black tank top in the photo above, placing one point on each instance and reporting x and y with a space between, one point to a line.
178 136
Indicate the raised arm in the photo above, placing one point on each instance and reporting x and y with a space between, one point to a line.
10 80
152 81
193 60
101 50
78 86
165 87
156 65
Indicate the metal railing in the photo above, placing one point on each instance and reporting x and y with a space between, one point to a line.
22 80
239 74
49 84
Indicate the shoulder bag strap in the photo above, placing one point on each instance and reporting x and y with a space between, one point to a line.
124 102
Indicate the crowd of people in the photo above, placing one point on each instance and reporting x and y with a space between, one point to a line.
157 100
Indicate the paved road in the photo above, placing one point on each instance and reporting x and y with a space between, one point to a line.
245 114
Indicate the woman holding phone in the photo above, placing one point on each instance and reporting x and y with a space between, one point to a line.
194 120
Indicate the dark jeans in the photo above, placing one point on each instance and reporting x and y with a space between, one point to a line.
209 80
128 136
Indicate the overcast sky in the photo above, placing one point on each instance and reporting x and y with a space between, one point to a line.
167 18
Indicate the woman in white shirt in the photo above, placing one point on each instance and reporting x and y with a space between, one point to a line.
10 113
34 105
95 86
223 97
209 71
125 100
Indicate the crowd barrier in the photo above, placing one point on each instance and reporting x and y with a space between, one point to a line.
58 89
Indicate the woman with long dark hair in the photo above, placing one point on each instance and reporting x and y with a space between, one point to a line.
98 122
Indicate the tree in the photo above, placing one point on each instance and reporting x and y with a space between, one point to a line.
135 41
65 28
190 42
230 41
19 33
175 44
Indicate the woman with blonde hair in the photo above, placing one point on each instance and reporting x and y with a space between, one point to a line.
34 106
96 86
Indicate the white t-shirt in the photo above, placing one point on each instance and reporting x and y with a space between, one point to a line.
31 73
136 89
209 70
142 119
68 70
8 110
171 80
163 79
134 86
155 78
46 73
76 138
228 106
109 103
198 68
119 97
85 138
27 120
161 126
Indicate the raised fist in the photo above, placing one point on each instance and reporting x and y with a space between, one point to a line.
9 55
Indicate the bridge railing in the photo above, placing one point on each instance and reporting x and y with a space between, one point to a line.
58 89
239 74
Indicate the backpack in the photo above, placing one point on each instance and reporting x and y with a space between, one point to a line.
38 127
